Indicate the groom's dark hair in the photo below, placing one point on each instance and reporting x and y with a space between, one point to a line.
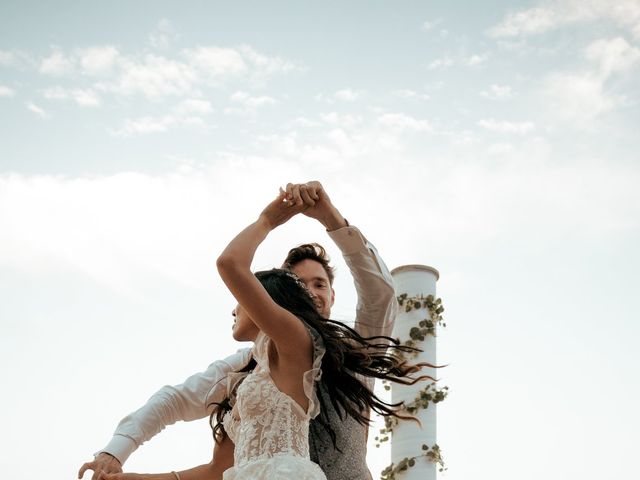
309 251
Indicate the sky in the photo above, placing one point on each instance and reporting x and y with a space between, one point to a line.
495 141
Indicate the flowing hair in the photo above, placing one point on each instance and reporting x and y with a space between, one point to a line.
348 355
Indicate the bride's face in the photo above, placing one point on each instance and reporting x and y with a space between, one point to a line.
244 330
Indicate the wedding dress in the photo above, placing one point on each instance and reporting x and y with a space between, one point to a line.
270 430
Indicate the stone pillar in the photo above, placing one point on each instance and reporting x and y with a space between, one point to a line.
408 437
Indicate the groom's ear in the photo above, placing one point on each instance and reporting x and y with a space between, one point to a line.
333 296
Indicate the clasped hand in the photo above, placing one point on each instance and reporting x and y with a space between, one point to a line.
297 198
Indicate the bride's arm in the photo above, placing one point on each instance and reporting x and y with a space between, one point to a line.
234 266
222 460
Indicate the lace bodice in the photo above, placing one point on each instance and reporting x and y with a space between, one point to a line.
266 422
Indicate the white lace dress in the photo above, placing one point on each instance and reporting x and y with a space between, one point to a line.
270 430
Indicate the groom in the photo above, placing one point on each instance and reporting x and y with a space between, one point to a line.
375 315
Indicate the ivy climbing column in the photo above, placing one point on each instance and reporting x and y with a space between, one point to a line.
415 454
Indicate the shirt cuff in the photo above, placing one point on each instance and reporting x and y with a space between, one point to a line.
120 447
349 240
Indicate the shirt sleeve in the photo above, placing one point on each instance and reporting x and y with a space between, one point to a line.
191 400
377 305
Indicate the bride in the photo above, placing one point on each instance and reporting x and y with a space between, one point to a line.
294 348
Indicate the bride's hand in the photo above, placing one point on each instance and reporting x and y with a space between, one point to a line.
280 211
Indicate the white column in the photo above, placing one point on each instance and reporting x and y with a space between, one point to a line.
408 437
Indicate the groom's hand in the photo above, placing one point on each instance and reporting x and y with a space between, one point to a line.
319 206
103 463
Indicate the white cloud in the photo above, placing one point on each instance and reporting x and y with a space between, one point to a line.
475 59
55 93
345 121
216 61
250 102
97 60
6 58
163 35
265 65
554 14
188 113
57 63
505 126
448 61
83 97
146 125
154 77
195 106
614 55
497 92
578 97
410 94
32 107
403 122
6 91
441 63
306 122
431 24
348 95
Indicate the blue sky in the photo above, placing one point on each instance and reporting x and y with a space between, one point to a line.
494 141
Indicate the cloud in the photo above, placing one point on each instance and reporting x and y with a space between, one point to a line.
441 63
348 95
154 76
497 92
431 24
550 15
344 121
264 65
163 35
249 103
194 105
84 98
403 122
614 55
32 107
410 94
448 61
6 58
578 97
6 91
98 60
57 63
145 125
188 113
502 126
475 59
216 61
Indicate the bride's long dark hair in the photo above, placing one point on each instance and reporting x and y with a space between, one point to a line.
348 354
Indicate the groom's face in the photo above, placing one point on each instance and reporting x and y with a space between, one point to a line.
317 281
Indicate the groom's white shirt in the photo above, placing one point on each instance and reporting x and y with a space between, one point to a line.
375 315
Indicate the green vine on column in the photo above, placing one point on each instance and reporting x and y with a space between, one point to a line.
429 395
431 454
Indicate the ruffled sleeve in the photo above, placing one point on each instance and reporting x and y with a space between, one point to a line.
260 351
